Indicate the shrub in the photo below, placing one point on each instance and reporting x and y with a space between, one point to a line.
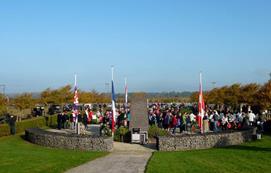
122 134
4 130
30 123
155 131
51 121
105 131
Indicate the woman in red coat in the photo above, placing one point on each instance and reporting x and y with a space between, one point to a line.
174 123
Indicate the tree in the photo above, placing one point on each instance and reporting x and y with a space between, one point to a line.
194 97
58 96
232 95
248 93
24 101
3 104
264 96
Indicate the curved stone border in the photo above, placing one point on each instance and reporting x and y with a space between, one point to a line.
210 140
68 141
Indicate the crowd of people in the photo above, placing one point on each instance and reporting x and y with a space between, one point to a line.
101 115
184 117
171 117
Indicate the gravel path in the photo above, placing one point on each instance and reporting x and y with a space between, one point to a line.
126 158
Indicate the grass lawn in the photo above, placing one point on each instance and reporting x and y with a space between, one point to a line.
251 157
17 155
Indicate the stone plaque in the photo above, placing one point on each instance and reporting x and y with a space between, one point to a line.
139 112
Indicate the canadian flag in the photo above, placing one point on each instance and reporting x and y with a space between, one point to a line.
201 106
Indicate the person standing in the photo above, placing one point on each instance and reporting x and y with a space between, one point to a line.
251 118
224 122
216 118
183 122
59 121
85 120
12 124
174 123
66 124
128 118
63 120
71 121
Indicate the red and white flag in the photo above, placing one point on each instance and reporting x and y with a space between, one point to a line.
201 106
75 100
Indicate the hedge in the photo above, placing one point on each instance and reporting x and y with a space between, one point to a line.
25 124
155 131
4 130
122 134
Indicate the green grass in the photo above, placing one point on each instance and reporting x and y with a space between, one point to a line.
248 158
17 155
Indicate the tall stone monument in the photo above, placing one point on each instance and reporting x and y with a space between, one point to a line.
139 112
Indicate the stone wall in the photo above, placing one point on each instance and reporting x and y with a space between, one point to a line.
68 141
198 141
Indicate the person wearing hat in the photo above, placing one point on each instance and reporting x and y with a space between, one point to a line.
12 124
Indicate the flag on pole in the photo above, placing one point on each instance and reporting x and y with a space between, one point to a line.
201 106
113 103
75 101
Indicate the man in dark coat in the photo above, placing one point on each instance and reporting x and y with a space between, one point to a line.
85 120
59 121
12 124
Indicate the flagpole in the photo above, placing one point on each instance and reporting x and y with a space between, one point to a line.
201 119
75 106
125 94
113 102
112 72
75 80
202 111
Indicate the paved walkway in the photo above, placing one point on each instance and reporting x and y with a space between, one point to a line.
126 158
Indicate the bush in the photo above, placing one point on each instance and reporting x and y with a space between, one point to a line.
105 131
30 123
4 130
155 131
51 120
122 134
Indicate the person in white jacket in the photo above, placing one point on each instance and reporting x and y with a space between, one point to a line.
251 118
224 122
192 117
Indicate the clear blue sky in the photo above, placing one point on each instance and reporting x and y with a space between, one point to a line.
158 45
